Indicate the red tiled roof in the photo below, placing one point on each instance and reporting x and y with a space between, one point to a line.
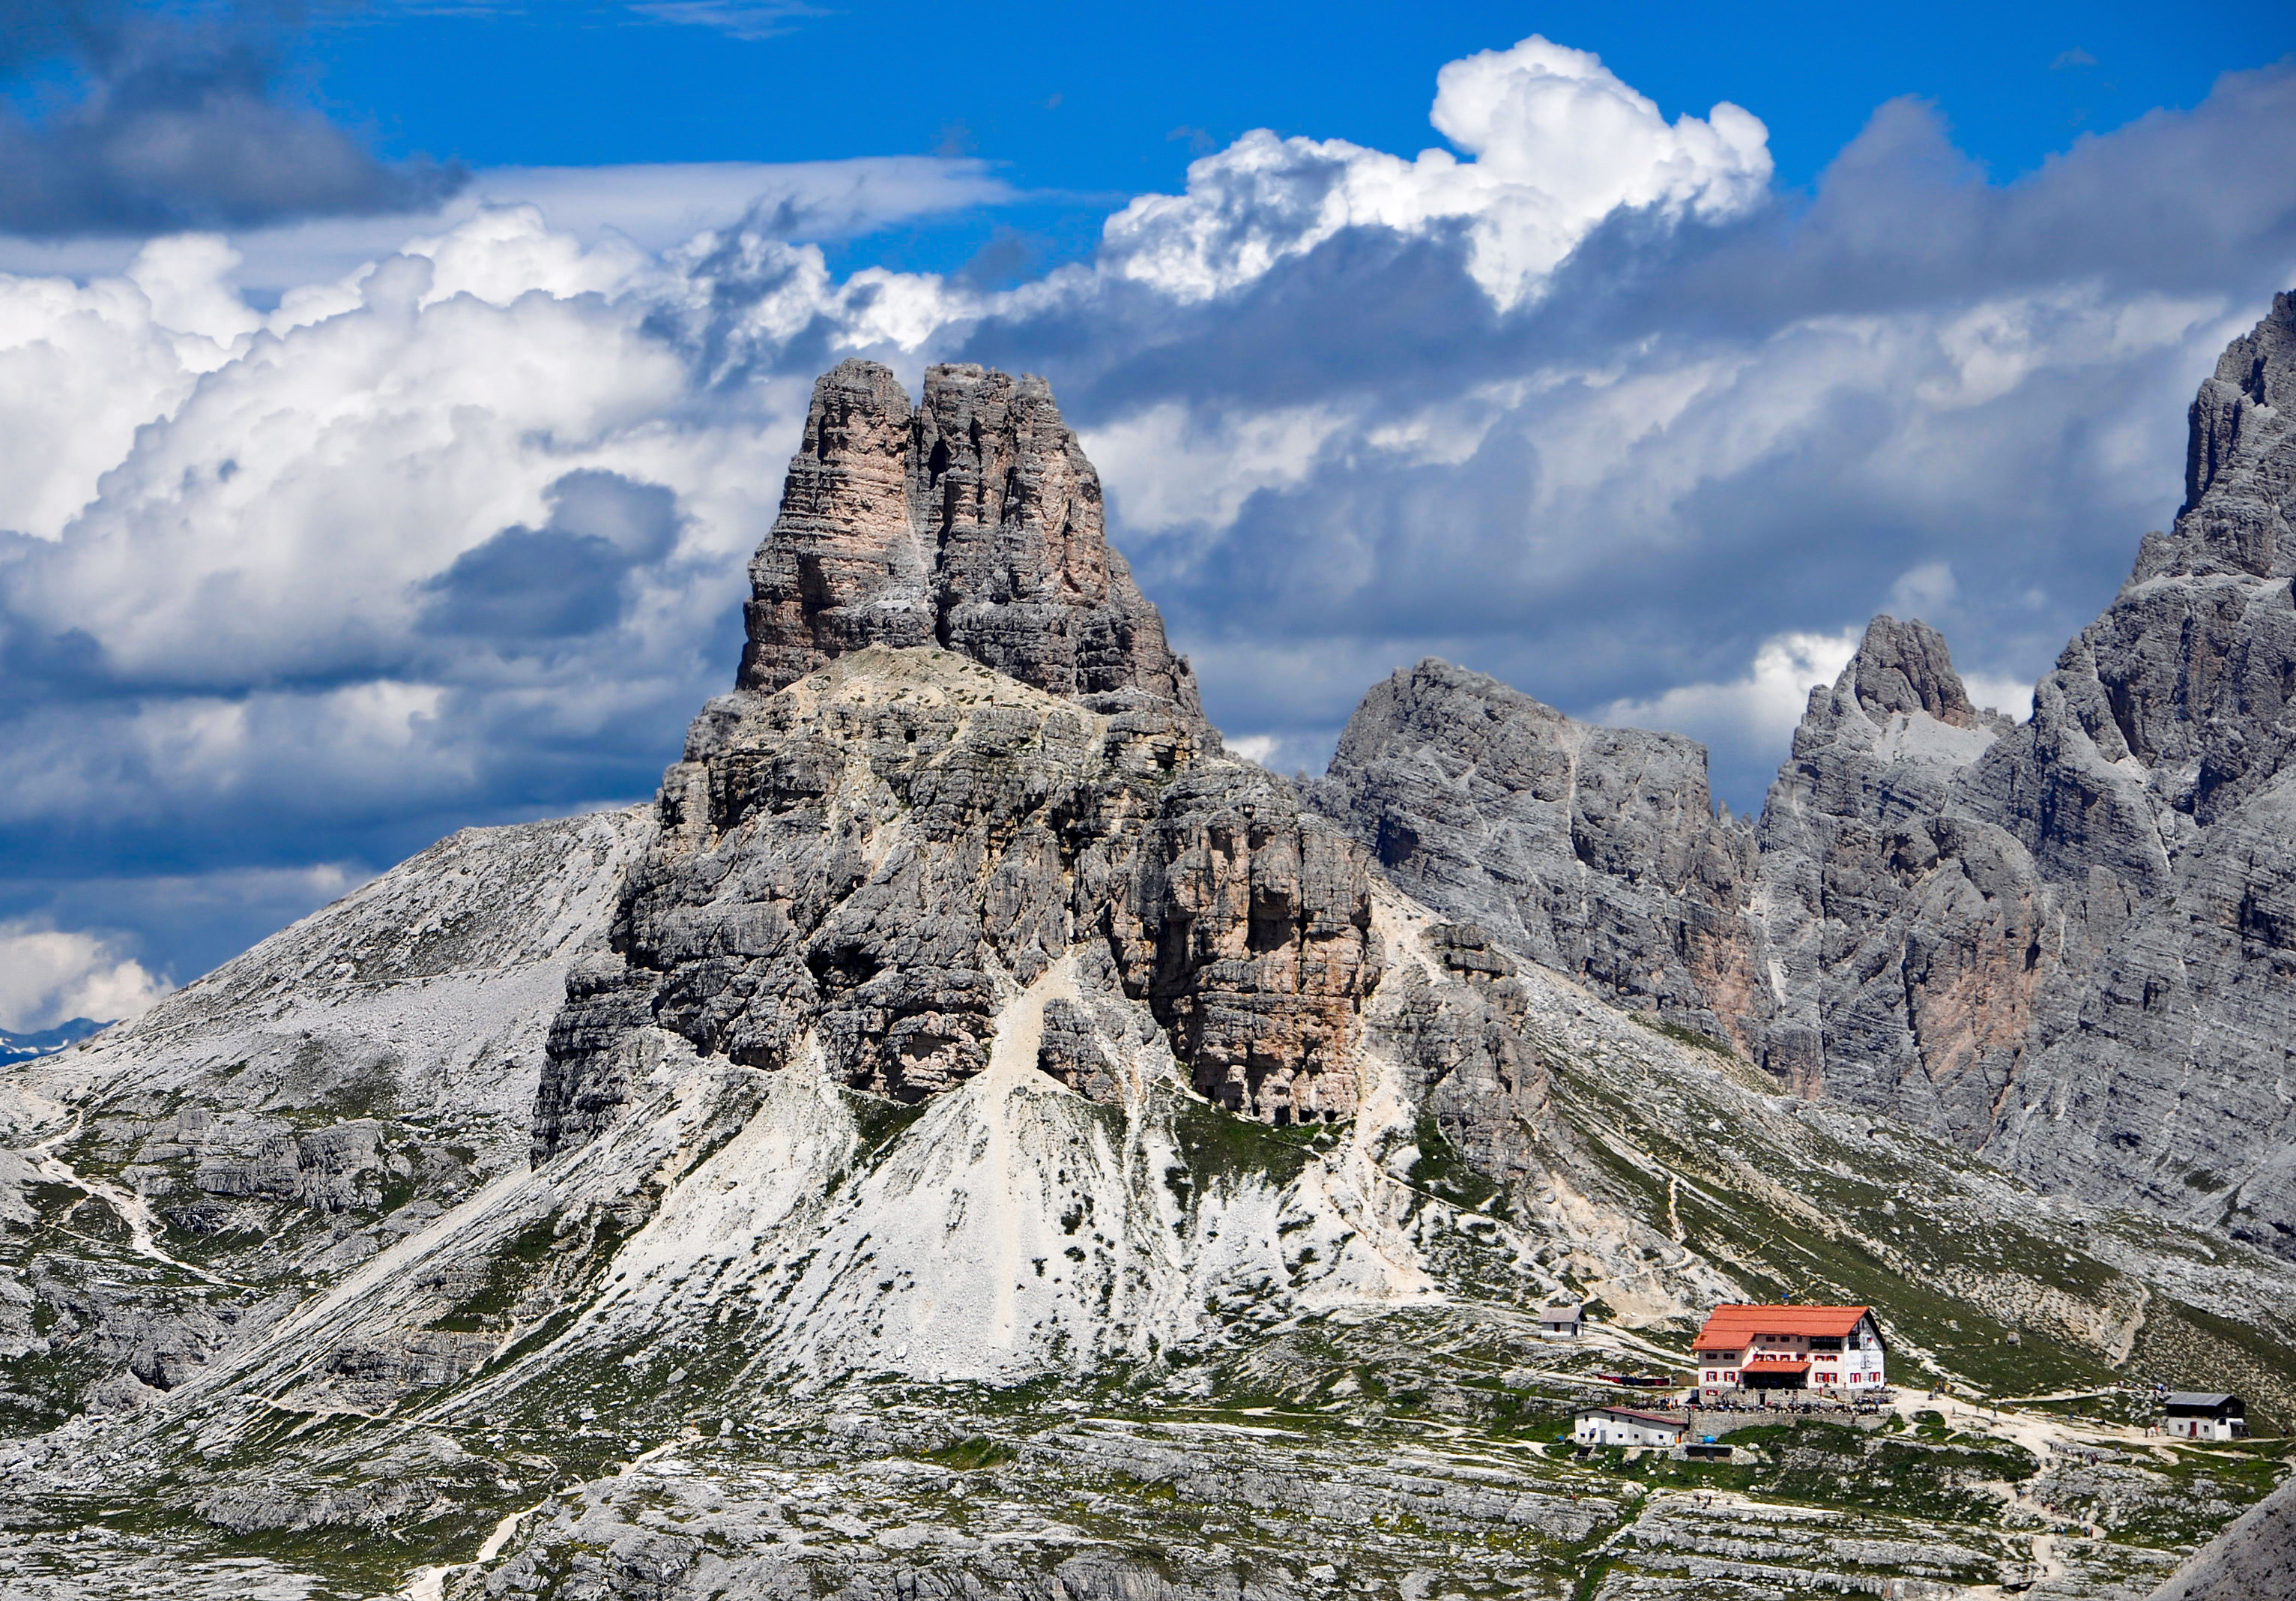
1777 1362
1732 1327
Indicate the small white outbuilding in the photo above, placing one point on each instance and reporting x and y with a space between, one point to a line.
1561 1322
2205 1414
1628 1426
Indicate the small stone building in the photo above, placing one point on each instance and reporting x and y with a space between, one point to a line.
1561 1322
1627 1426
2205 1414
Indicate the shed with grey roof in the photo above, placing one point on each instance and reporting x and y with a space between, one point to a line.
2205 1414
1561 1322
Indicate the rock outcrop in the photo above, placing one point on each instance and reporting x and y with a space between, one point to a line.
2155 788
2253 1559
1906 938
959 746
1248 930
873 860
870 861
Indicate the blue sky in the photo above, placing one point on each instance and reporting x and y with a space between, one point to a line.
1087 98
393 393
1085 106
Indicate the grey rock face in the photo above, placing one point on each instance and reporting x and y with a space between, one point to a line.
1595 851
193 1173
1471 1040
1902 668
1871 938
971 522
872 858
1905 937
2062 942
2153 787
2164 1082
2236 462
877 858
1248 931
886 829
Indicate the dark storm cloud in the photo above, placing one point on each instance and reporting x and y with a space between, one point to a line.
2196 201
528 585
520 614
152 120
1370 310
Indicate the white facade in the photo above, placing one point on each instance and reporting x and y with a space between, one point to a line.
1855 1362
2204 1428
1623 1425
1559 1322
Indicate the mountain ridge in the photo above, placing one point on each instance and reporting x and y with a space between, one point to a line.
2052 940
42 1042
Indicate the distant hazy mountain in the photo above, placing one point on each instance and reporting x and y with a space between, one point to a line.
23 1047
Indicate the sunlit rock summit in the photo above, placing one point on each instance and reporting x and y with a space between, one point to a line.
971 522
960 750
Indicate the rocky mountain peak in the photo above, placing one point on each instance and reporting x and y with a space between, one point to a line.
2262 364
2061 942
2239 458
1904 666
972 521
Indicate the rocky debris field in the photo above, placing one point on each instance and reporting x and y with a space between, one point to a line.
1415 1451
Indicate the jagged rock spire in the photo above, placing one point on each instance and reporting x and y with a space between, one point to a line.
2063 941
1904 666
971 521
2239 459
842 567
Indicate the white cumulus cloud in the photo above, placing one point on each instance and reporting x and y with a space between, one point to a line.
1760 707
1171 466
277 520
48 975
1556 144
